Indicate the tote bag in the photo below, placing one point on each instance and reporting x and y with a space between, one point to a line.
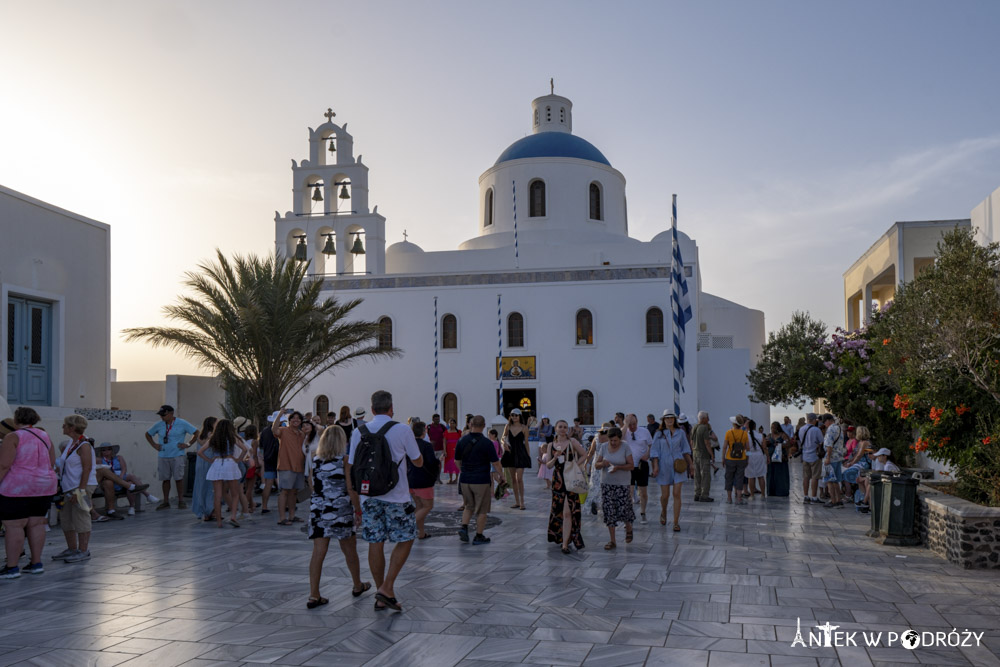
574 476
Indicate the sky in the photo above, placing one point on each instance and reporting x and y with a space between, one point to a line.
794 133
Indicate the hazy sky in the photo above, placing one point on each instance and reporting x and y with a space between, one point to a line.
794 133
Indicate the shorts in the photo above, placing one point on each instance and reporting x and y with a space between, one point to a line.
477 497
289 479
734 474
14 508
640 475
387 522
426 494
812 470
75 519
269 474
252 472
834 472
171 467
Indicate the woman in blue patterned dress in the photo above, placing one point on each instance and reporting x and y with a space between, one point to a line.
670 444
334 512
203 494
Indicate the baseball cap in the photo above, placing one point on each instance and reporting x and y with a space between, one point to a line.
811 416
164 409
883 452
515 411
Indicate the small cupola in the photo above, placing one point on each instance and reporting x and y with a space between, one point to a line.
551 113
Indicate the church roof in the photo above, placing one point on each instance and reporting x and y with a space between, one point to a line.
552 144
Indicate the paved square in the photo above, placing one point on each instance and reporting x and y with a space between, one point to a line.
164 589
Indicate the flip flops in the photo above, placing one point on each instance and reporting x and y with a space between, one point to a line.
284 522
387 602
364 588
312 603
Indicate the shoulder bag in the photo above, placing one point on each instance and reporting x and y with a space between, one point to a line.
574 476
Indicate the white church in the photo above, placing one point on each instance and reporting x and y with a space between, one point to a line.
571 311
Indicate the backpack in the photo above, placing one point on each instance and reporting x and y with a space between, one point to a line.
738 449
374 473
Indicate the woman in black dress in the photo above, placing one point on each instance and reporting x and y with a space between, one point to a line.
515 454
565 515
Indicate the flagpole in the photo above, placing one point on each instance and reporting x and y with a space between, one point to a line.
500 356
435 355
675 306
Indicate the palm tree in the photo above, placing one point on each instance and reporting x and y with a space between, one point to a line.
259 325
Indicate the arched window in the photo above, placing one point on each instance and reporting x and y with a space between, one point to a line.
385 333
584 327
536 199
488 209
585 406
654 325
450 402
322 406
449 332
515 330
596 205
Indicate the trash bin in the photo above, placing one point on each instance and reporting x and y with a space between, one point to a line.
875 484
899 503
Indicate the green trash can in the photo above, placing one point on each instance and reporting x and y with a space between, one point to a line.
875 484
899 505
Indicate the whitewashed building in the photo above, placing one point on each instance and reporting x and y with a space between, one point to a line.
583 323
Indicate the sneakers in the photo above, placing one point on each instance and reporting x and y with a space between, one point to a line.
152 499
63 554
181 505
706 499
77 557
833 504
642 518
131 511
463 533
480 539
165 505
10 572
34 568
806 500
138 488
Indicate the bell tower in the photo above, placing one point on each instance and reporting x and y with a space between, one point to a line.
330 224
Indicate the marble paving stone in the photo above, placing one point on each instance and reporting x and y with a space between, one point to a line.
502 650
641 632
229 652
369 641
76 658
704 611
137 646
617 656
707 629
723 659
170 655
267 655
558 653
707 643
422 650
570 635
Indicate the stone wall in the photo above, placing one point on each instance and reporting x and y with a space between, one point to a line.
957 530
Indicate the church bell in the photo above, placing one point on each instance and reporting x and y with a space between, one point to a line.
300 250
344 194
358 249
317 194
333 149
329 248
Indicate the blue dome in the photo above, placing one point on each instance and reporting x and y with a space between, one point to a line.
552 144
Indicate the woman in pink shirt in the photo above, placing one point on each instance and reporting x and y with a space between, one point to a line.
27 482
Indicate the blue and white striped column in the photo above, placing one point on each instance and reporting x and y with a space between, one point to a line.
500 355
435 355
513 185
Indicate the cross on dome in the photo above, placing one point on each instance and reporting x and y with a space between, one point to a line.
329 115
405 236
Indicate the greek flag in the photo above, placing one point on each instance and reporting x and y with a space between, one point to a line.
680 306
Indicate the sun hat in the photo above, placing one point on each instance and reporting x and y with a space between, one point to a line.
107 445
737 419
885 451
668 413
239 423
360 412
682 418
7 426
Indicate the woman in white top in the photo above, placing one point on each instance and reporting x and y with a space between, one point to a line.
756 472
78 479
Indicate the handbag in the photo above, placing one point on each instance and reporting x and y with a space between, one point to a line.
680 465
574 476
776 456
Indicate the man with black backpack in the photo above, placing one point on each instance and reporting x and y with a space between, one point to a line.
735 457
376 470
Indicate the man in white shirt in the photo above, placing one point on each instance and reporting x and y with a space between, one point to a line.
788 427
639 441
389 517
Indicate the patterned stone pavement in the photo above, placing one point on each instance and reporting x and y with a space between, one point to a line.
165 590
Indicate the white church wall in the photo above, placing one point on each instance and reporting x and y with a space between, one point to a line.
725 390
63 259
620 368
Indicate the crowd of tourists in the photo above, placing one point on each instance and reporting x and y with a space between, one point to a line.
377 477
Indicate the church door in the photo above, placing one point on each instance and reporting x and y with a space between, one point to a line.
29 352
